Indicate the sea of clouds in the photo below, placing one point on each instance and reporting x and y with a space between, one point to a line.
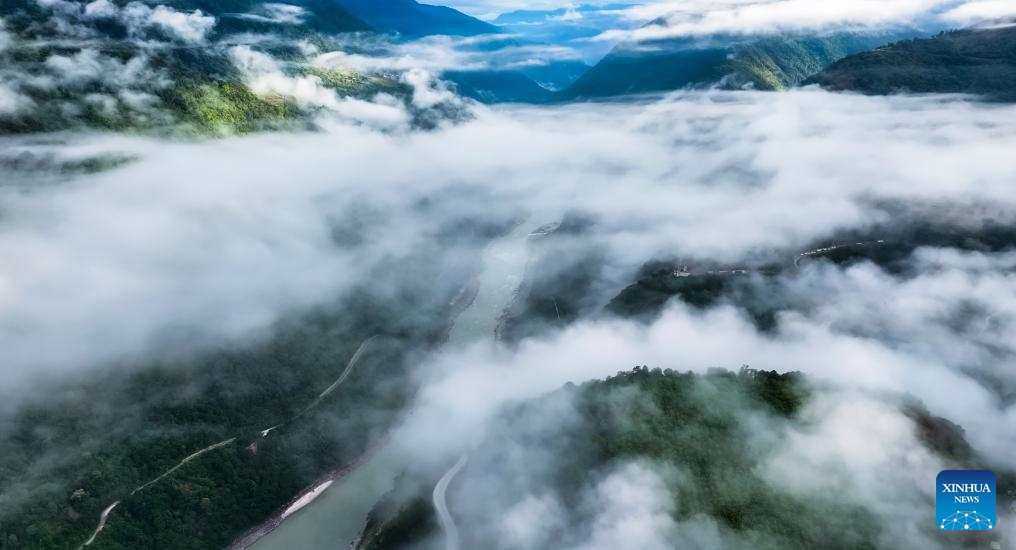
222 238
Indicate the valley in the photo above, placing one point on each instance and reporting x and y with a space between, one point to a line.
502 274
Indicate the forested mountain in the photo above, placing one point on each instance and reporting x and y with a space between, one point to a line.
684 438
498 86
762 63
184 64
411 18
973 61
108 18
261 420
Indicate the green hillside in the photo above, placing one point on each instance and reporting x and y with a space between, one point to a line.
117 435
767 63
972 61
694 426
122 75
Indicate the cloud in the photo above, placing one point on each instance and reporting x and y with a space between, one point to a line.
706 17
11 101
98 9
862 451
283 14
191 27
978 11
266 78
851 447
635 507
437 54
199 244
705 175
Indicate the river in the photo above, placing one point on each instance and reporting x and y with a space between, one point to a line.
336 517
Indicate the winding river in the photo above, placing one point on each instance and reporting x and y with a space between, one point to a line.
336 517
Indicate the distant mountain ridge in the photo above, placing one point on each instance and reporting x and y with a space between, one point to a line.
763 63
498 86
974 61
411 18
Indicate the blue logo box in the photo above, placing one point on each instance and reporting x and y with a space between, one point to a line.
965 500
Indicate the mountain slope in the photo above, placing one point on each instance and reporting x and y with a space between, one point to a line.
295 16
498 86
695 435
134 66
975 61
556 75
412 18
769 63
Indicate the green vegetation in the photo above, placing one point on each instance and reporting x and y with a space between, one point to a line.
562 273
702 428
767 63
88 443
756 288
125 87
231 107
975 61
780 63
348 82
498 86
693 423
656 285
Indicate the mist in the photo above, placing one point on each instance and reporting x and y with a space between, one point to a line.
186 244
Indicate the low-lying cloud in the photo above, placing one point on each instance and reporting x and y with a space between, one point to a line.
748 17
709 175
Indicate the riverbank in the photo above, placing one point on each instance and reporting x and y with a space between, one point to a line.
301 500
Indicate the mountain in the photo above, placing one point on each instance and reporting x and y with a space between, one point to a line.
411 18
763 63
293 17
172 66
687 433
973 61
556 75
498 86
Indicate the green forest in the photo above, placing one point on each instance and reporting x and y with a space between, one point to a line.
971 61
695 423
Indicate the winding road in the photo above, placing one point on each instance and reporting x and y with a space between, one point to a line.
441 505
101 526
264 433
342 377
179 465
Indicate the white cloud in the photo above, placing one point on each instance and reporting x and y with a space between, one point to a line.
978 11
12 101
528 523
266 78
190 27
227 236
285 13
635 511
437 54
101 9
705 17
